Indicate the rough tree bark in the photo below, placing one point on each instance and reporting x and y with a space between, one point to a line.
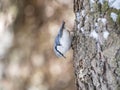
96 46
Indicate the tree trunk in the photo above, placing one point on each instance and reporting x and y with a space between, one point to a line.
96 45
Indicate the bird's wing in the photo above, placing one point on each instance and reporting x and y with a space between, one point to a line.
61 29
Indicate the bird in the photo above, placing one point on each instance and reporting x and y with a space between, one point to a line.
63 41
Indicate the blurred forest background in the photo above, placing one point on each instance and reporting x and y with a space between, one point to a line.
27 59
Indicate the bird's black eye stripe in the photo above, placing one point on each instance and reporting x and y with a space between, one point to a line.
59 52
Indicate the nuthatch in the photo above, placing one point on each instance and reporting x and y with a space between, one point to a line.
62 41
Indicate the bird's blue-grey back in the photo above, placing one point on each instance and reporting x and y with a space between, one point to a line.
60 33
57 40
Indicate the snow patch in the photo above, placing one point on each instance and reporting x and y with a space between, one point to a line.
92 1
78 26
78 16
94 34
114 3
105 34
96 24
83 13
101 1
91 5
114 16
103 20
82 29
